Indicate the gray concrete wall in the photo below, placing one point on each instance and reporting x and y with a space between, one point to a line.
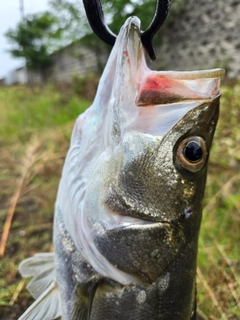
76 60
205 34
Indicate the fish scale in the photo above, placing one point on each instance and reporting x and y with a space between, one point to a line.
158 302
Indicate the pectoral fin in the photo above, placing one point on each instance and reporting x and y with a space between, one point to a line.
46 307
82 300
43 287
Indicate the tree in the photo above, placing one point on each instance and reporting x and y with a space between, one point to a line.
71 19
34 40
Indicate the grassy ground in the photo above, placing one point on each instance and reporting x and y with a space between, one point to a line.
219 245
35 127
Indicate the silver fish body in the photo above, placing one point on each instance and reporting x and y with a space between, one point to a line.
159 249
136 207
128 209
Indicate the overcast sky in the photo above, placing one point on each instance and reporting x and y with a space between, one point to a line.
9 17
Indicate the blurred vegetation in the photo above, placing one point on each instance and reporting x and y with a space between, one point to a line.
39 35
219 245
35 128
27 109
31 39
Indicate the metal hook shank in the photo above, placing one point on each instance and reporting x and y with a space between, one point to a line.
95 17
161 13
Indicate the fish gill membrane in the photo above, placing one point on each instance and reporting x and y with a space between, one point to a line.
128 209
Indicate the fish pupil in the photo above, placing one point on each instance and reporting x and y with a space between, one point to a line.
193 151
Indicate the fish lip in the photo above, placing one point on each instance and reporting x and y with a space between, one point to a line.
148 224
144 220
134 222
191 75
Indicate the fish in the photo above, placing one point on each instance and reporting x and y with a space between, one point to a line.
129 203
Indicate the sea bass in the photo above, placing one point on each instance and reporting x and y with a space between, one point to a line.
128 209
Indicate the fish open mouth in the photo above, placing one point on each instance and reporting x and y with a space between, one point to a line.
163 98
158 87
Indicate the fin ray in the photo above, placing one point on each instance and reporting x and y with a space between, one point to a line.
46 307
41 282
36 264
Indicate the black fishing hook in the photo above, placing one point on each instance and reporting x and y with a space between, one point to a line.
96 20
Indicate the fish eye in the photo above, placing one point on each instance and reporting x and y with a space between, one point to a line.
192 154
193 151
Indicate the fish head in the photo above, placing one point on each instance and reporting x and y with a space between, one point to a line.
135 174
152 194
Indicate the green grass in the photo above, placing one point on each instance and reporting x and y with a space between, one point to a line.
35 126
219 243
25 110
